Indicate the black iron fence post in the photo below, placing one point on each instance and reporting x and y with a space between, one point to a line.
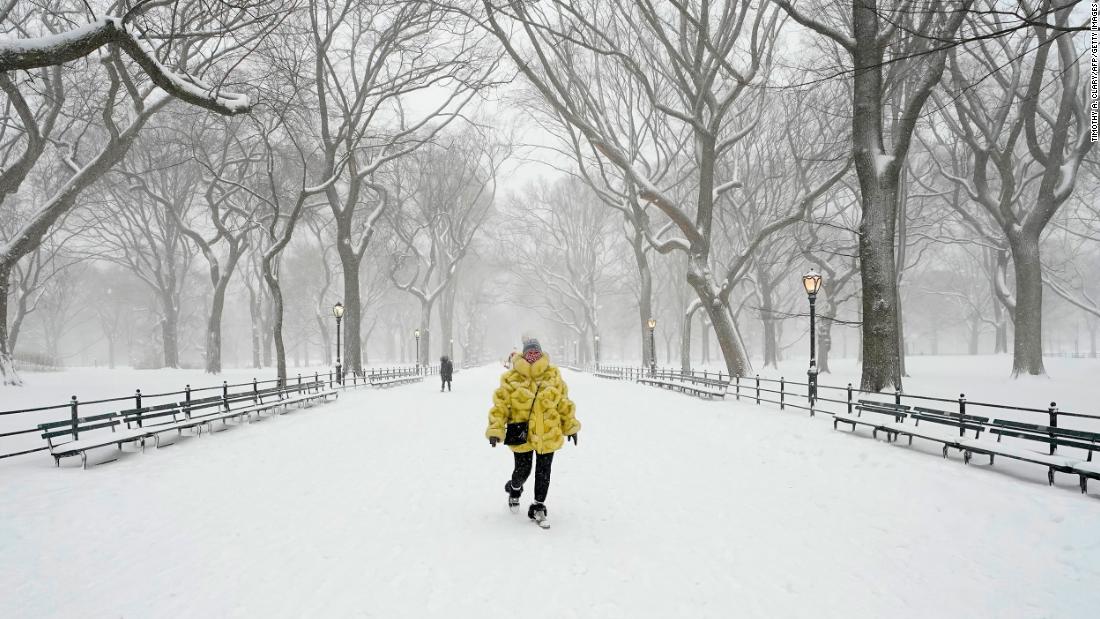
1053 412
849 398
225 394
187 400
782 392
255 390
75 418
137 404
897 396
757 388
962 414
737 387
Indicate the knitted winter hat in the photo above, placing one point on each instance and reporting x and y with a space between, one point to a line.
530 344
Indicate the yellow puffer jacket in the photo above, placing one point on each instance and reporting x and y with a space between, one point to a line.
550 416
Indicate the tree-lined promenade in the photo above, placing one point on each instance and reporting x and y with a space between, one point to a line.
189 180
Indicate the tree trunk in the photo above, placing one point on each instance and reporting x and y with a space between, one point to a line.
447 320
685 337
645 289
1000 341
214 328
269 333
169 331
353 307
425 332
1027 345
276 322
257 329
704 338
729 339
881 341
878 183
8 376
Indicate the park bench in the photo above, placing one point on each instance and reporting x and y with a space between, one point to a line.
90 433
1048 435
949 427
686 388
702 380
152 421
383 381
890 418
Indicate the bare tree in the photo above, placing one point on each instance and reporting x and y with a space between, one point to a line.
682 57
897 56
369 63
1026 128
97 143
452 189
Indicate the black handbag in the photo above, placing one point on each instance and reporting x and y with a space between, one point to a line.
516 433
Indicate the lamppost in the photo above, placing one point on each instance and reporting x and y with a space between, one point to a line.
811 281
451 350
597 353
338 312
416 334
652 347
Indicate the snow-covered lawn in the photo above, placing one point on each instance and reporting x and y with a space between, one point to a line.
389 504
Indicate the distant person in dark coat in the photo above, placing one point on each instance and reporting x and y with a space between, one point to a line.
446 370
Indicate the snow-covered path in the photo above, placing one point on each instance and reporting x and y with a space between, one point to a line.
389 504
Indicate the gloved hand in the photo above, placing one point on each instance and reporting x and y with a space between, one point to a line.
572 437
493 441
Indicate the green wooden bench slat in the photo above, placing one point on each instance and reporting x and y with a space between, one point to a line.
81 428
1044 438
932 414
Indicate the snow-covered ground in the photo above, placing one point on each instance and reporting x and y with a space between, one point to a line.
389 504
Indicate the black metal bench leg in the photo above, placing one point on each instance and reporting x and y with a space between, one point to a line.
1084 484
84 460
945 451
1050 476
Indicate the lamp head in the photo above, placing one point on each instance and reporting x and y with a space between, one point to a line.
416 334
811 281
652 324
338 310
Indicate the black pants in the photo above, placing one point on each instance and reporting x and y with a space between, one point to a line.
523 471
446 383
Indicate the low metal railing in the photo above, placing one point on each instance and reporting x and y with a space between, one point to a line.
797 395
16 442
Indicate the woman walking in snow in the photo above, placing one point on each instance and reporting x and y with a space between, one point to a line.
446 370
532 414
